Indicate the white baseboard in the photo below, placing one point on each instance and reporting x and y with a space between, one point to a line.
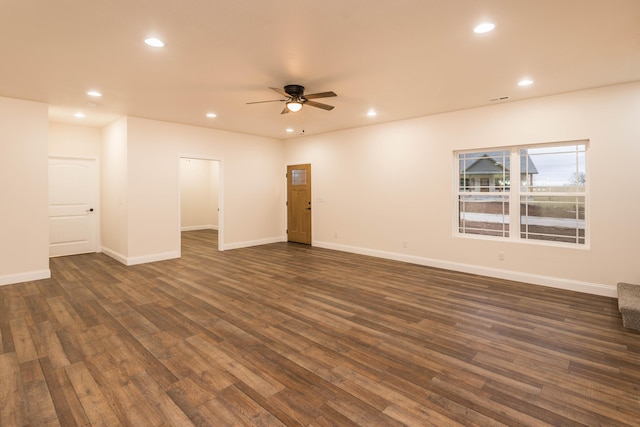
250 243
29 276
152 258
140 259
198 227
115 255
534 279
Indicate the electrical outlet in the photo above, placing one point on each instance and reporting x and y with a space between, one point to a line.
501 256
405 244
335 235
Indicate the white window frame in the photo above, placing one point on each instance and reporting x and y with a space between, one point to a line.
516 192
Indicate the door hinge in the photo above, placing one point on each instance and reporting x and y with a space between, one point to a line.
287 231
286 203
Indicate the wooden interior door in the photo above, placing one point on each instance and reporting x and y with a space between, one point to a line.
299 204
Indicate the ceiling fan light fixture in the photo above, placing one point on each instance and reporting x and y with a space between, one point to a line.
294 106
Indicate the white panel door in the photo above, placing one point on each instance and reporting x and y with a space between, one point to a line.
73 195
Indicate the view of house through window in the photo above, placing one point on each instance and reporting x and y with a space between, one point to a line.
546 200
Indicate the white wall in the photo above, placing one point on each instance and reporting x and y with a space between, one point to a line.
24 224
113 191
198 194
378 186
67 140
252 186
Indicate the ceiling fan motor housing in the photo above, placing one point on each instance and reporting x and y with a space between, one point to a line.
296 91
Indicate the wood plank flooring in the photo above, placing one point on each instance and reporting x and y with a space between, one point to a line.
287 334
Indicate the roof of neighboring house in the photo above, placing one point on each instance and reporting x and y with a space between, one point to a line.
491 163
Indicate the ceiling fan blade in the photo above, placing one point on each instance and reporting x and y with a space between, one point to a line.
285 110
262 102
319 105
320 95
281 92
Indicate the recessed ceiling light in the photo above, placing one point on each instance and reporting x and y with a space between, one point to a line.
288 130
485 27
79 115
525 82
212 115
152 41
94 93
371 113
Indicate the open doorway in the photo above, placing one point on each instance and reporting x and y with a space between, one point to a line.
200 198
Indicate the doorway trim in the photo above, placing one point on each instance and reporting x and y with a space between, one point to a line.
220 198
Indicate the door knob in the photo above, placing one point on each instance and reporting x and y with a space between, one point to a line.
90 210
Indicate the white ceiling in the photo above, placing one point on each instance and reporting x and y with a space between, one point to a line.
403 58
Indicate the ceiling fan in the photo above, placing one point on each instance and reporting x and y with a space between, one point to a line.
295 99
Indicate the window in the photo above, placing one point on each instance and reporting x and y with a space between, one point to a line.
548 203
299 177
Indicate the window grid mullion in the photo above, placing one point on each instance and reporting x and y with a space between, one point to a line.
514 194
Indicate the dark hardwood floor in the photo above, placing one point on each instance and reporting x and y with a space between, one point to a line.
287 334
